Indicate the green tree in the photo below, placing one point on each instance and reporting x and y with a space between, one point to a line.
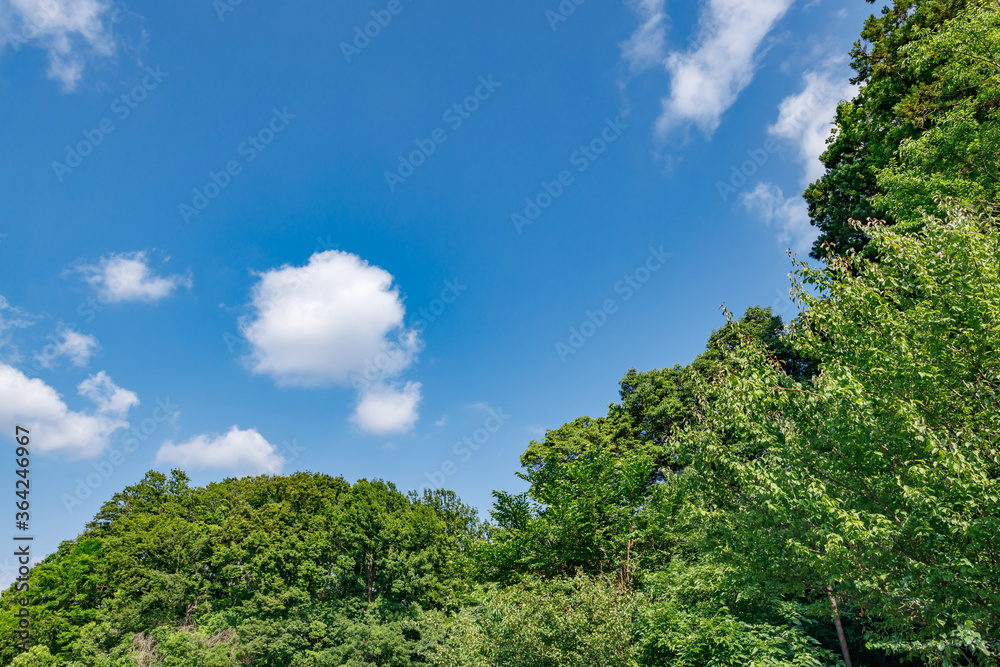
876 485
567 622
909 83
589 515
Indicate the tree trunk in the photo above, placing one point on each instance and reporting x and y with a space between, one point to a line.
840 627
371 577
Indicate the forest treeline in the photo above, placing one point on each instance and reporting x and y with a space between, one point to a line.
818 492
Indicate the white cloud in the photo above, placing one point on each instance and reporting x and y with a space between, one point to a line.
237 451
109 398
804 123
708 78
71 31
338 320
57 429
385 409
790 215
328 322
77 347
805 119
645 48
127 277
10 318
7 323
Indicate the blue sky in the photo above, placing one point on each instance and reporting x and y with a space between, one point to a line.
238 238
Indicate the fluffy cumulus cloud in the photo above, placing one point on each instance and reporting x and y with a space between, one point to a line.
38 407
336 321
236 451
73 345
805 119
72 32
127 277
645 48
707 78
386 409
790 216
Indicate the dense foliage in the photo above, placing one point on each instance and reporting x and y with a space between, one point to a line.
926 121
300 570
809 494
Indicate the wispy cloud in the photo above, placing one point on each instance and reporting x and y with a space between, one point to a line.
805 119
109 398
127 277
11 318
707 78
804 123
72 32
73 345
790 216
645 48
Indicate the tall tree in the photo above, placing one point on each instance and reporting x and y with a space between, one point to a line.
907 90
880 480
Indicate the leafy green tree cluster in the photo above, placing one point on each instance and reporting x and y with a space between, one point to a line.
656 405
879 482
298 570
926 120
562 622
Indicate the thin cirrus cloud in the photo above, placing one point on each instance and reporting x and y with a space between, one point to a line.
125 277
706 79
31 403
244 451
338 320
72 32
